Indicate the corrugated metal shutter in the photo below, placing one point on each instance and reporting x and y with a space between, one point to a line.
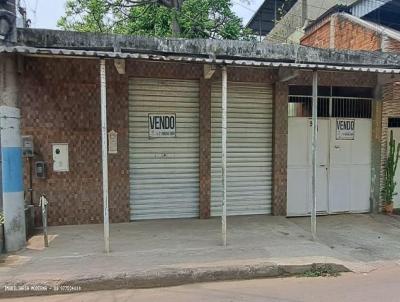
249 149
164 172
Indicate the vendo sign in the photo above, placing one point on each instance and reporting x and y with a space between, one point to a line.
345 129
162 125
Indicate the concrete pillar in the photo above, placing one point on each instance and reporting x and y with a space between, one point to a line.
11 156
280 147
376 148
205 148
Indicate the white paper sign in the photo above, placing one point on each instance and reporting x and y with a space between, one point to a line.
345 129
162 125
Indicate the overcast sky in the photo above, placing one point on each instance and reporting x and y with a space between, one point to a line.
45 13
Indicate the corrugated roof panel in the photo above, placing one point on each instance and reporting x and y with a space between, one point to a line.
203 60
362 8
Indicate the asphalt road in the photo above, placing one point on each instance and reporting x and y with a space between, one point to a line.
379 285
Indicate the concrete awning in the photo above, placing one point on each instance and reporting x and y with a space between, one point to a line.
187 59
54 43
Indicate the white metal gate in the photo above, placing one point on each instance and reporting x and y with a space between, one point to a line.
164 171
249 149
343 167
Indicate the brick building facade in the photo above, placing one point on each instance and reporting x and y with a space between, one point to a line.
53 84
342 31
60 104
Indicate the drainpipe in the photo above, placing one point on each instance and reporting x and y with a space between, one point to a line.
314 153
223 157
103 95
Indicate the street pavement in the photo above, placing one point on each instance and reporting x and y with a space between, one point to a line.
381 284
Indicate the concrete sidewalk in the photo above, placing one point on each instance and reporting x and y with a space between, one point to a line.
171 252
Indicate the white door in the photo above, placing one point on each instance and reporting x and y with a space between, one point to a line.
350 169
164 171
343 167
249 149
299 166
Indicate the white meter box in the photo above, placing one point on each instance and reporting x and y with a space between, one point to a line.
60 158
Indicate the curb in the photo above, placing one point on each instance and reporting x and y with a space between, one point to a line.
161 278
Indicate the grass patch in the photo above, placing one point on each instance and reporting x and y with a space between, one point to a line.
320 271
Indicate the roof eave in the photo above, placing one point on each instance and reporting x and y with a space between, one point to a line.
29 51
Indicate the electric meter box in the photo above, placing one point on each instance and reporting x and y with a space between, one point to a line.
27 145
60 158
40 169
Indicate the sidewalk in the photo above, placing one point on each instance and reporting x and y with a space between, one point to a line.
171 252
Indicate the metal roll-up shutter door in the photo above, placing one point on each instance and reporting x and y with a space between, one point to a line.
249 149
164 172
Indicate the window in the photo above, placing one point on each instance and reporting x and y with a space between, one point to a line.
352 102
394 122
301 106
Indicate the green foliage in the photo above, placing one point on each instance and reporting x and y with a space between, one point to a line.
86 16
320 271
389 185
1 217
196 18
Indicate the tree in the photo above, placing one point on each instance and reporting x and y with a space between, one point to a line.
164 18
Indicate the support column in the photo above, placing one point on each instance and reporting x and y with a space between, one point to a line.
223 157
314 154
103 93
280 149
12 190
377 146
205 149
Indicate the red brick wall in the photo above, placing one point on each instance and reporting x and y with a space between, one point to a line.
347 35
319 37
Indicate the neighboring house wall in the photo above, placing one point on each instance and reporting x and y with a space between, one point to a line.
320 37
340 33
349 35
